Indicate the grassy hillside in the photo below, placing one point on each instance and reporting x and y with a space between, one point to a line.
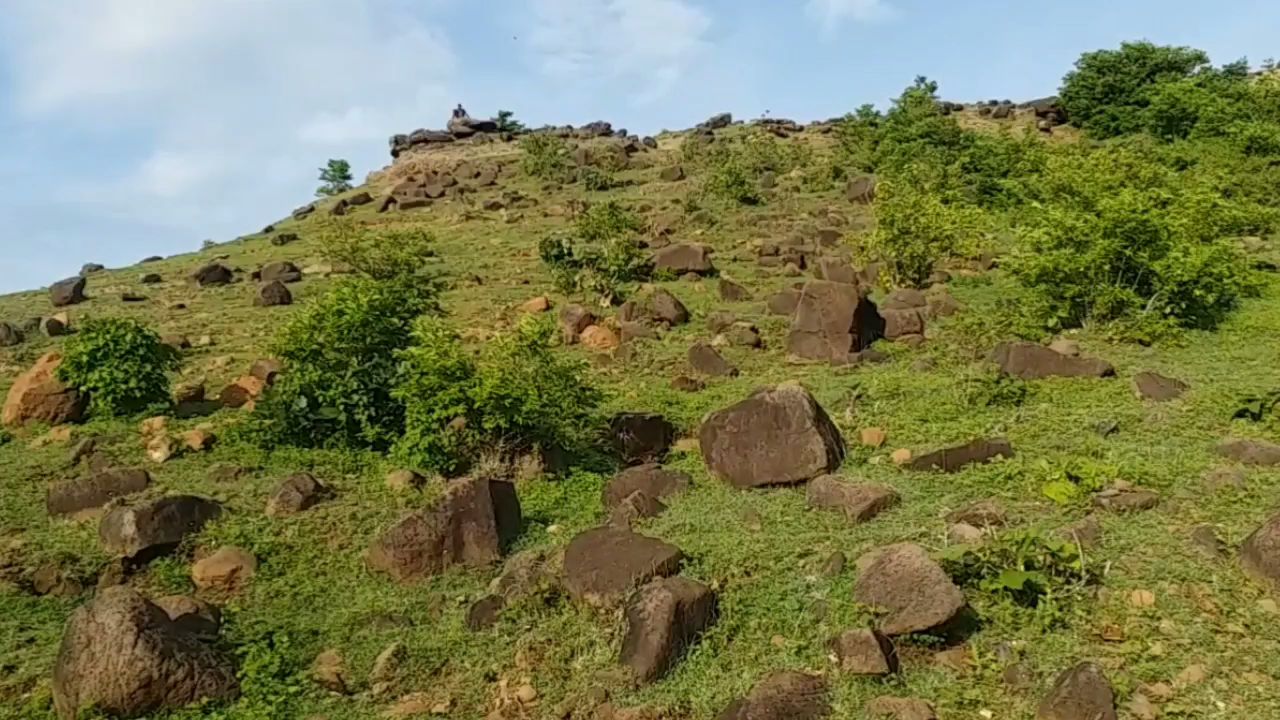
1175 627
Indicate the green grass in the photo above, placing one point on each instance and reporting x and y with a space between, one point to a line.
762 551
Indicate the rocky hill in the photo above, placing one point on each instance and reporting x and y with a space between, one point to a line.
813 493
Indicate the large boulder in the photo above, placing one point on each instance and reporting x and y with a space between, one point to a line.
295 494
67 292
273 294
656 305
39 396
283 271
1079 693
832 322
859 502
82 494
955 459
148 530
1250 452
471 525
603 565
914 591
664 619
865 652
653 481
705 359
682 259
212 274
10 335
1030 361
1260 552
641 437
122 655
777 436
782 695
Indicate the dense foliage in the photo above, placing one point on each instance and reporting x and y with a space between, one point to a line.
546 157
120 364
399 255
1109 90
601 256
335 177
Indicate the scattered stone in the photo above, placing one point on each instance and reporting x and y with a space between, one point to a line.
1247 452
1150 386
705 359
330 672
1123 500
483 613
1030 361
1079 693
1205 537
782 695
1225 478
283 271
146 531
742 335
1260 552
273 294
982 514
834 564
632 331
915 592
654 305
199 440
51 580
1063 346
67 292
873 437
684 383
681 259
604 564
212 275
861 189
599 338
963 534
122 655
955 459
159 449
731 291
674 173
470 526
896 708
75 496
226 571
860 502
10 335
652 480
296 494
54 326
835 269
403 481
865 652
641 437
39 396
574 320
1087 532
833 322
784 302
636 506
664 619
192 616
243 391
536 305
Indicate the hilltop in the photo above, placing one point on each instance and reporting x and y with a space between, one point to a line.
957 410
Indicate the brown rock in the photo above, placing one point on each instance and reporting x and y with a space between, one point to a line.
950 460
241 392
674 173
915 592
731 291
707 360
865 652
212 275
123 656
39 396
1150 386
599 338
861 189
273 294
330 672
652 480
147 530
1260 552
295 494
1030 361
604 564
192 616
1126 500
1248 452
470 526
73 496
283 271
1079 693
266 370
896 708
784 302
664 619
198 440
536 305
982 514
636 506
777 436
404 481
67 292
684 383
641 437
873 437
483 613
574 319
782 695
860 502
832 322
685 258
226 571
654 305
835 269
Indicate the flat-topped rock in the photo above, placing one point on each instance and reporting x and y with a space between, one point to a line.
1030 361
955 459
603 565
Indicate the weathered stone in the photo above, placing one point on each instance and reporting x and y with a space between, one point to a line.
1079 693
674 173
782 695
1030 361
955 459
273 294
900 324
604 564
67 292
835 269
74 496
123 656
226 571
573 320
1150 386
636 506
784 302
916 594
483 613
10 335
1126 500
471 525
245 389
652 480
39 396
282 271
1249 452
145 531
861 189
266 370
777 436
681 259
212 275
705 359
599 338
664 619
859 502
655 305
982 514
887 707
865 652
1260 552
731 291
192 616
832 321
641 437
295 494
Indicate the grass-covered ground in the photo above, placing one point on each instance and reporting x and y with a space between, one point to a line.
763 551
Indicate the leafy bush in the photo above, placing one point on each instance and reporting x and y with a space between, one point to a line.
1114 235
1109 90
546 157
918 223
730 179
400 255
518 395
120 363
601 256
340 355
336 176
507 122
1025 568
736 166
596 180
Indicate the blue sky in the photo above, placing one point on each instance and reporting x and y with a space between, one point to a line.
137 127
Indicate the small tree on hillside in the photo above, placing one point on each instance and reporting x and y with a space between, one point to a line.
336 177
507 122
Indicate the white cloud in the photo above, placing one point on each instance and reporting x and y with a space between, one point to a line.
647 44
232 104
833 13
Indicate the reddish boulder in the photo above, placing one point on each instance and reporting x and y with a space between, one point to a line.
664 619
913 590
1030 361
782 695
653 481
39 396
859 502
1079 693
604 564
832 322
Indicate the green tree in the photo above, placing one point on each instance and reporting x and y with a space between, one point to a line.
336 176
1108 90
507 122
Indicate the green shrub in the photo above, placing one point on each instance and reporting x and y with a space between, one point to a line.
399 255
120 364
340 359
596 180
507 122
858 139
546 157
1025 568
1109 90
336 176
918 223
735 166
1115 235
602 255
518 395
